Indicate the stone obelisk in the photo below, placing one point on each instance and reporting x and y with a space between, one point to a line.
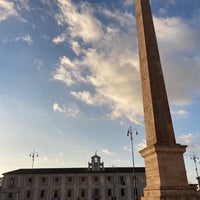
165 169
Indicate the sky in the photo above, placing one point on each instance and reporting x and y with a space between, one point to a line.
70 81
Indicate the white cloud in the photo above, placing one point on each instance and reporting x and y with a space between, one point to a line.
86 97
80 20
107 60
177 30
7 9
38 63
180 113
162 11
107 152
70 111
60 153
137 147
141 145
192 141
127 148
59 39
70 72
27 38
76 47
112 69
178 42
128 2
10 9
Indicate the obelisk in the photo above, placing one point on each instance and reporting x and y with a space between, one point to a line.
165 169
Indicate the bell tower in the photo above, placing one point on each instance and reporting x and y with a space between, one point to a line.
95 164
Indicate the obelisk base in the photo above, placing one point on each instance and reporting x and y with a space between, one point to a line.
165 173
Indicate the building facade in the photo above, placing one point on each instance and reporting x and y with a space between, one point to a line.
93 183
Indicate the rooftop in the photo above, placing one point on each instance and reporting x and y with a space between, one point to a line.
73 170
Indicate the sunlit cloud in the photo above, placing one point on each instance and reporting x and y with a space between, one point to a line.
179 58
59 39
128 2
179 113
107 152
38 63
81 24
27 38
109 65
127 148
106 60
7 9
141 145
192 141
60 153
70 111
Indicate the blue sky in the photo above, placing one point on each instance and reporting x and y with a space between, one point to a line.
70 80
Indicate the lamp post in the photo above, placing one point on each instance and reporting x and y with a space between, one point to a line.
130 133
115 185
194 157
33 155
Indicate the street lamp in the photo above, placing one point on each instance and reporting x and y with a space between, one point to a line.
115 185
130 133
194 157
32 155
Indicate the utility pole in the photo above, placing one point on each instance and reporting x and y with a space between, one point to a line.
130 133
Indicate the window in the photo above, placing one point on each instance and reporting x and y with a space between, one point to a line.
96 191
70 179
108 178
69 193
109 192
56 179
122 181
83 179
96 179
42 194
43 180
134 178
10 195
30 180
55 193
12 181
122 192
28 194
82 193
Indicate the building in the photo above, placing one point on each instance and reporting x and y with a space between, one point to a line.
95 182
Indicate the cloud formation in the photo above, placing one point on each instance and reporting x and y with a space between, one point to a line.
106 58
191 140
107 152
7 9
179 44
27 38
107 61
179 113
71 110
